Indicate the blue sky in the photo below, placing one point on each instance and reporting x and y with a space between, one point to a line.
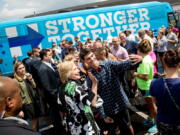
17 9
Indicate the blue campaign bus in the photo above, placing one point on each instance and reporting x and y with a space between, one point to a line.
18 37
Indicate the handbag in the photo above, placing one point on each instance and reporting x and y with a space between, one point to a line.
171 97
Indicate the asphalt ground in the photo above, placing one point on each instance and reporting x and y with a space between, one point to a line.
137 111
46 127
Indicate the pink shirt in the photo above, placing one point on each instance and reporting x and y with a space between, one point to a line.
153 57
120 53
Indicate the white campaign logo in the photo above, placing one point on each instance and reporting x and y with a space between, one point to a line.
13 32
97 24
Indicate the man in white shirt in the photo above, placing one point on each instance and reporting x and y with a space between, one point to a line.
57 50
130 36
142 34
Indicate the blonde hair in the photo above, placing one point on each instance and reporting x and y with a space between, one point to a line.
69 57
16 65
64 70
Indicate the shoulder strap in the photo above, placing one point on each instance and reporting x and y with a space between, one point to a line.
169 93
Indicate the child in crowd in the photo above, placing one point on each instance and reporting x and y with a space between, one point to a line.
144 76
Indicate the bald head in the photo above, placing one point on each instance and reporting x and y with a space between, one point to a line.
122 37
8 87
10 100
116 42
97 44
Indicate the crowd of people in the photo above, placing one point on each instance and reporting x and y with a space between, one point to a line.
88 85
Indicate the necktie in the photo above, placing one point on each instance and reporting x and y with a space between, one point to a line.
54 66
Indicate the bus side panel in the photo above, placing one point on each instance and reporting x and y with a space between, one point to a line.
105 24
17 40
158 18
6 66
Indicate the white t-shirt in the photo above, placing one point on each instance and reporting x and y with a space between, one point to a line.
131 37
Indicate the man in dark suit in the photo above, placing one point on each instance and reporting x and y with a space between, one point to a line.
34 64
65 47
10 106
27 61
50 82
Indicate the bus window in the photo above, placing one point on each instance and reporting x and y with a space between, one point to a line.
177 15
172 19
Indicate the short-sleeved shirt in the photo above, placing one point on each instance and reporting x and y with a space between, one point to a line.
171 36
131 37
58 52
150 40
120 53
146 67
162 44
153 57
131 47
166 110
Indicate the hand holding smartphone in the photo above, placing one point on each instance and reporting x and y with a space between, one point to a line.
28 76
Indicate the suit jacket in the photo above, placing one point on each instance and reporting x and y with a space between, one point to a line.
50 82
12 127
27 62
64 52
33 69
